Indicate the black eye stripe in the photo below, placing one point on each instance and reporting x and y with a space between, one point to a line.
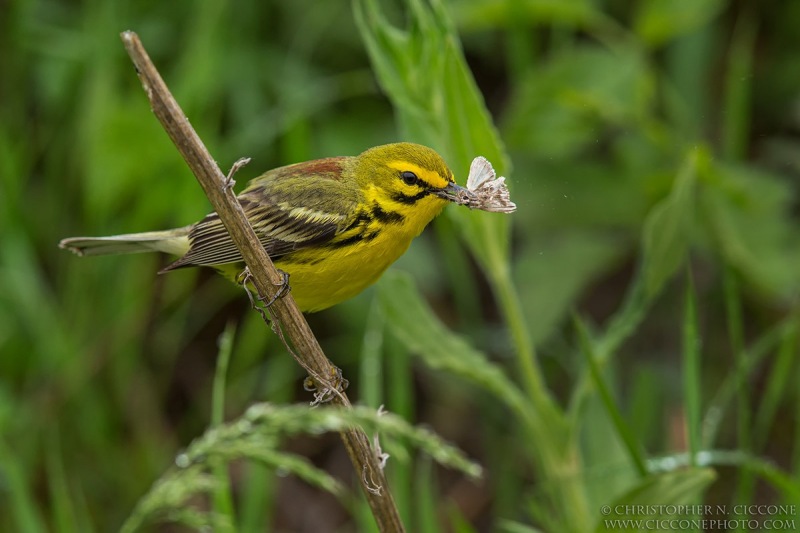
410 200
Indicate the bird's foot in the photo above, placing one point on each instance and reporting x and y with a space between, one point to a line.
326 391
283 289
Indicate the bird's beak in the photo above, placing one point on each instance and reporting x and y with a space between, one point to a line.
454 193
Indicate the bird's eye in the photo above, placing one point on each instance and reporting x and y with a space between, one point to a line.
409 178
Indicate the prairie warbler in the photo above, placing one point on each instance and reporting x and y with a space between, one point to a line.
334 225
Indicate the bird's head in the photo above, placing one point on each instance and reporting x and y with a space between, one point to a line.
410 177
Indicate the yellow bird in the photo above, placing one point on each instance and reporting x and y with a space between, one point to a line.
334 225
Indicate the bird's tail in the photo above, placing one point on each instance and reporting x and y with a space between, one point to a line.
173 241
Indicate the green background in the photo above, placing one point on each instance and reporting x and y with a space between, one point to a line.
652 149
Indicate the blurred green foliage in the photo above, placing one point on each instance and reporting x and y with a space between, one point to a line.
628 336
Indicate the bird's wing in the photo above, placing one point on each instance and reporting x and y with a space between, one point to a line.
289 208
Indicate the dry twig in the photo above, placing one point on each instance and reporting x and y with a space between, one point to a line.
263 274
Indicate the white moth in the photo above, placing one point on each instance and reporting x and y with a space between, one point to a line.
485 190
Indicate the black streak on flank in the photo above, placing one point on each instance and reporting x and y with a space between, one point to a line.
387 217
410 200
355 239
362 218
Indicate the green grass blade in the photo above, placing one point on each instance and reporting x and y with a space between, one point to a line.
692 397
458 523
425 497
401 400
624 432
64 513
371 361
25 516
721 401
167 500
221 374
745 486
776 385
223 498
737 89
258 495
255 437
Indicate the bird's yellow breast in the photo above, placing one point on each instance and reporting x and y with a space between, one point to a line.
356 259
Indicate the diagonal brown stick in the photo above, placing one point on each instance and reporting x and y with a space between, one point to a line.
265 277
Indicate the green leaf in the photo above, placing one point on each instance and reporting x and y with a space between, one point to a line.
658 21
665 240
559 108
423 71
469 132
473 15
551 274
749 220
413 323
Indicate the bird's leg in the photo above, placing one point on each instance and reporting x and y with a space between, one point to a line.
243 278
324 390
283 289
229 181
